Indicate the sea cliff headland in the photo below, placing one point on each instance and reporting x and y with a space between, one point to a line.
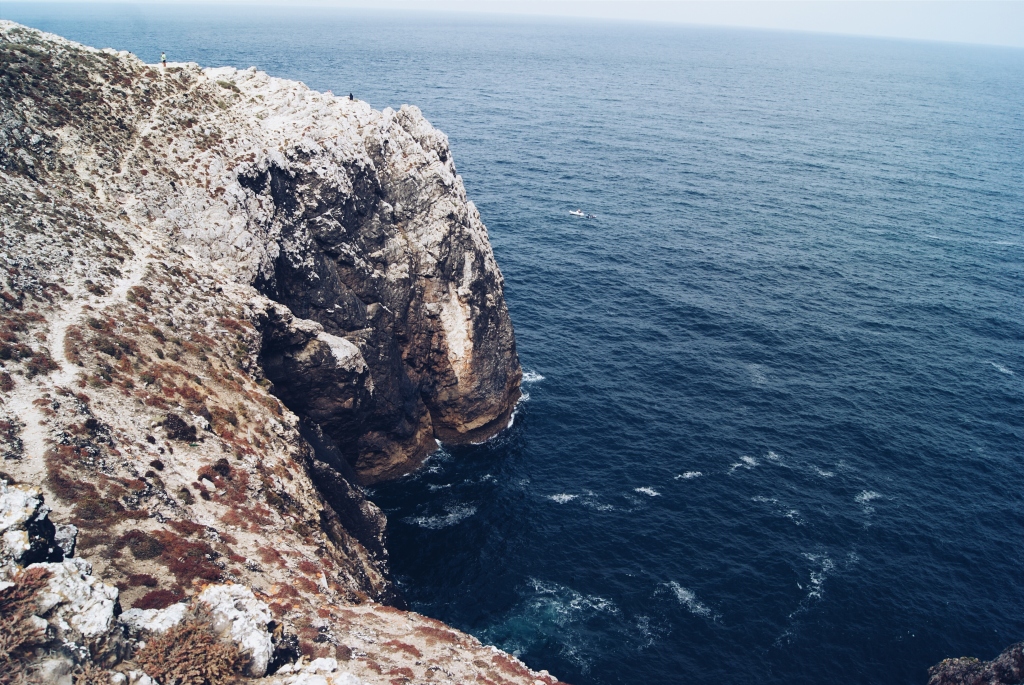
228 302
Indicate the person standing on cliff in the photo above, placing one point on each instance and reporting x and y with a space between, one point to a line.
163 59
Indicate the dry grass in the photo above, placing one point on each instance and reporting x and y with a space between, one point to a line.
90 674
18 636
190 654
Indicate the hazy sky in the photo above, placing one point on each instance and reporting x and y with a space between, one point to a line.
993 22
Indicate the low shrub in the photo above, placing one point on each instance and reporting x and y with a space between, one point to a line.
190 654
158 599
178 429
143 545
404 647
40 363
18 634
141 580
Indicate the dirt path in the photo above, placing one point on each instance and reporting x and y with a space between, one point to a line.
21 401
35 434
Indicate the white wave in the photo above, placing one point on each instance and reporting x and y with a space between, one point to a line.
823 473
570 603
591 500
745 462
523 398
1002 369
650 492
643 628
688 599
758 377
781 510
815 588
454 515
549 609
774 457
562 498
515 410
532 377
866 496
688 475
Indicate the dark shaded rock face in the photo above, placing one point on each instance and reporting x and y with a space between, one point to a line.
1006 669
414 340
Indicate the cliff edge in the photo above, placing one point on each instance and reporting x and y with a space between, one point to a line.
229 301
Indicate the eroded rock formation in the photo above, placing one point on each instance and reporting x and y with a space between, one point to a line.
227 301
1005 669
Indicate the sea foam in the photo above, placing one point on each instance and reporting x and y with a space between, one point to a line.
688 599
1002 369
454 514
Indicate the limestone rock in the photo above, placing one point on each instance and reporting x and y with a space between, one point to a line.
322 671
81 610
25 529
65 537
235 612
139 621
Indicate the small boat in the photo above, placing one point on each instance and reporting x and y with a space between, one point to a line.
578 212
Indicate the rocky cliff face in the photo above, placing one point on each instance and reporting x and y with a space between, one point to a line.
1005 669
227 302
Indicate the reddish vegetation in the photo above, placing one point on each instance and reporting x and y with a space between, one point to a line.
91 506
270 555
158 599
141 579
433 634
187 560
404 647
306 585
507 665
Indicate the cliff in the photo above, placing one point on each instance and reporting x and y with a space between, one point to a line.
228 301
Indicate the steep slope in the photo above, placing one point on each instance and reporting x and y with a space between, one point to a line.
227 302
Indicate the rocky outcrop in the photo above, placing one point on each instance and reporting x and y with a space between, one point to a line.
226 303
1005 669
61 625
349 218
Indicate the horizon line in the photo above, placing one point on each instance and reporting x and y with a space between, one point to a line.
990 23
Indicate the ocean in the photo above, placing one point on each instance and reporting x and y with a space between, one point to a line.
774 394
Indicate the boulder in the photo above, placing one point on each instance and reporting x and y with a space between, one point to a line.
235 612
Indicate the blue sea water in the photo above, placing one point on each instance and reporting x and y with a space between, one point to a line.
775 406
